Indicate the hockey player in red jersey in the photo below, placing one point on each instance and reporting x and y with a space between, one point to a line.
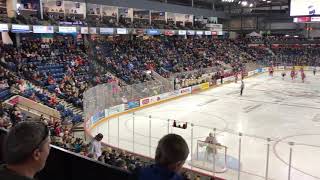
303 76
293 73
271 71
301 70
236 77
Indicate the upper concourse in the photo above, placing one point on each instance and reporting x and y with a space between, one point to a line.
198 9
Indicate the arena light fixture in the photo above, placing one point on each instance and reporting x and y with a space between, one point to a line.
244 3
251 5
228 1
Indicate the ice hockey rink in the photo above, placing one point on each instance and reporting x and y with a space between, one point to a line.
283 110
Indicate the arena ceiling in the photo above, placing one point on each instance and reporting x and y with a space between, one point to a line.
255 3
222 4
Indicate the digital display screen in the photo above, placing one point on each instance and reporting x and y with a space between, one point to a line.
304 7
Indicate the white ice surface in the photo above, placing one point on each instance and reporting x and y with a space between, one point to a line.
283 110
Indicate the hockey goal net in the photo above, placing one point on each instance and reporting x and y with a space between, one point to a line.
210 157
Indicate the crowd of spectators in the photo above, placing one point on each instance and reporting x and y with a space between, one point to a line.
296 54
63 70
283 50
59 66
44 72
286 54
132 59
19 86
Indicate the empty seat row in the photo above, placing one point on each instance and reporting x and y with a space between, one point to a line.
60 70
50 66
4 94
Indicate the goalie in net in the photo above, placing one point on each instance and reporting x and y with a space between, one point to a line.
211 155
211 149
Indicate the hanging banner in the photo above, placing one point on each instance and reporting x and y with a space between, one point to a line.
214 33
199 32
191 32
122 31
17 28
215 27
182 32
207 33
43 29
106 30
153 32
4 28
67 29
315 19
169 33
139 31
84 30
93 30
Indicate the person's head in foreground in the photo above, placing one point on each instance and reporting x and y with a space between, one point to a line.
26 149
171 153
99 137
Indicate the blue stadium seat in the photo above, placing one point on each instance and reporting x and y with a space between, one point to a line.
5 94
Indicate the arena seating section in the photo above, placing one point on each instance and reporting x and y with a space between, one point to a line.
60 69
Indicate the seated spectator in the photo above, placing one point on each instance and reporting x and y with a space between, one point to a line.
121 164
15 115
4 118
4 123
57 133
101 159
171 153
42 118
26 149
33 97
53 101
77 145
51 80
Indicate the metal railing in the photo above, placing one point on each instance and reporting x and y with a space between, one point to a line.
248 157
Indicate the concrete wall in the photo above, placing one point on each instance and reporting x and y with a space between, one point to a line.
259 22
11 8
